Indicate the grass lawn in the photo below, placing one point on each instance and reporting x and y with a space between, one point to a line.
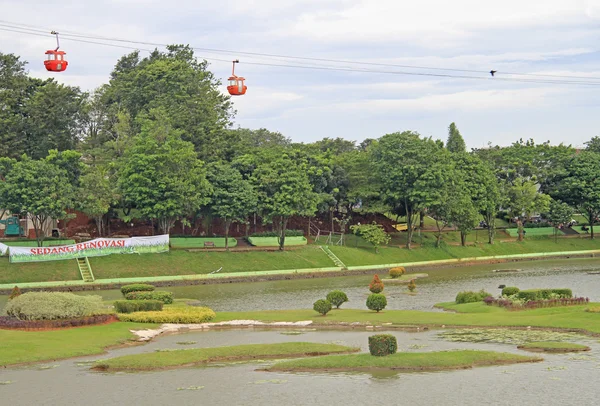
197 242
552 346
426 361
470 314
529 232
199 356
35 346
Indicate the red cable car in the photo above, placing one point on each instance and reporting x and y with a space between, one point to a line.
236 83
56 61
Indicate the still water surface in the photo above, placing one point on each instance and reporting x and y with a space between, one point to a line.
562 379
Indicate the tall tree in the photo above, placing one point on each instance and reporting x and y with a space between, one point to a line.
96 194
233 198
41 190
559 214
160 175
524 200
455 142
411 171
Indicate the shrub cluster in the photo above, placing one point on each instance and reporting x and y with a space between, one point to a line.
544 294
517 304
322 306
131 306
383 344
186 315
12 323
376 301
337 298
397 272
510 290
165 297
471 297
52 306
136 287
376 286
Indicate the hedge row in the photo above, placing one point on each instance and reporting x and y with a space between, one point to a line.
131 306
172 315
12 323
136 287
544 294
52 306
165 297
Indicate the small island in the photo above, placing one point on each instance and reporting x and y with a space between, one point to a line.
553 347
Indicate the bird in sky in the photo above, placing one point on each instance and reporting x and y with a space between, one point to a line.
492 72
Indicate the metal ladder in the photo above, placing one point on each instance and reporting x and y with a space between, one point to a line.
85 269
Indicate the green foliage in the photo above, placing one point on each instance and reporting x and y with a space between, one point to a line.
564 292
14 293
471 297
376 285
382 344
130 306
376 301
96 194
544 294
372 233
322 306
397 272
52 306
137 287
165 297
455 142
288 233
412 285
337 298
184 315
510 290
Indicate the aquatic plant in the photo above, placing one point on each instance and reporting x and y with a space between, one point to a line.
376 286
506 336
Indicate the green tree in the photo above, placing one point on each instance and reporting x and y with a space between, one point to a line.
233 198
96 194
283 189
372 233
411 171
559 214
593 145
40 189
160 174
524 200
455 142
580 185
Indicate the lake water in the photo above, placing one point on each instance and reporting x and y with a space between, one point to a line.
562 379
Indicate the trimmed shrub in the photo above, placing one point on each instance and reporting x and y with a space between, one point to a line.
376 301
322 306
15 292
136 287
131 306
527 295
165 297
376 286
412 285
471 297
186 315
52 306
510 290
382 344
12 323
337 298
397 272
563 293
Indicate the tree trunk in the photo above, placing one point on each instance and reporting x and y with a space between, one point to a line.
463 238
490 220
227 225
38 228
520 228
422 219
99 225
409 221
284 220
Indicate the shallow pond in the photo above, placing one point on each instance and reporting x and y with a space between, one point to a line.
559 380
442 285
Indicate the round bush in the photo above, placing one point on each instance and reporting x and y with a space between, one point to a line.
510 290
337 298
397 272
376 286
322 306
52 306
382 344
412 285
376 301
136 287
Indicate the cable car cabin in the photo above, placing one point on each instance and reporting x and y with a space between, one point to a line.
56 61
236 86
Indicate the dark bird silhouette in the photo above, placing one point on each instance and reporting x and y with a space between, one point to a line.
492 72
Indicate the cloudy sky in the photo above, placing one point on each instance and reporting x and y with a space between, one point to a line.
540 37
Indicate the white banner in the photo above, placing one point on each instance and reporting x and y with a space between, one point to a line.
93 248
3 249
